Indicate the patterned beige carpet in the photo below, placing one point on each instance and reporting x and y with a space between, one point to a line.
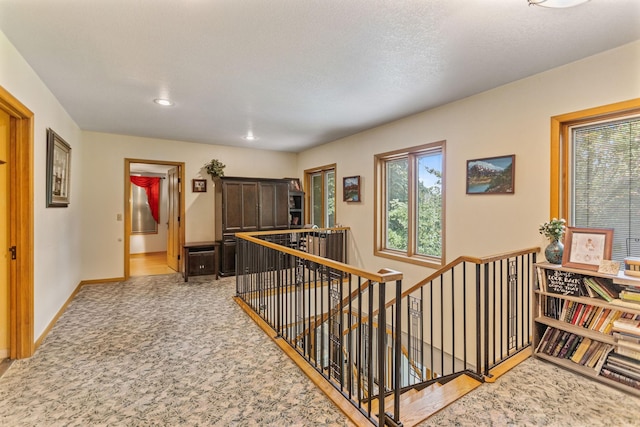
154 351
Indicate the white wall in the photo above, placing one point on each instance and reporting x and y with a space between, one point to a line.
103 189
57 231
512 119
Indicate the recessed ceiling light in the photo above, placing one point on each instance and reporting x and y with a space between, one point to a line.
163 102
250 137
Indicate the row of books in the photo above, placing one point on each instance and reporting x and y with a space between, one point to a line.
584 315
629 297
623 365
581 350
600 287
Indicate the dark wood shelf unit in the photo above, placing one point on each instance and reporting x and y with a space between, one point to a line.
246 205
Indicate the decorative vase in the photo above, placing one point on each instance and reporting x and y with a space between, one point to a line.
554 252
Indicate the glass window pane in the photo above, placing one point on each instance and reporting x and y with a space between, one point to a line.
397 199
142 221
606 178
330 191
316 200
429 204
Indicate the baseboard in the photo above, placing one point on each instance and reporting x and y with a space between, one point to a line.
66 304
4 353
94 281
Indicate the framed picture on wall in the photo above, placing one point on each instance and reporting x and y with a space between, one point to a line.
491 175
351 188
199 185
58 170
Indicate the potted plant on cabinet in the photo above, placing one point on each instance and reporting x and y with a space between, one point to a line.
215 168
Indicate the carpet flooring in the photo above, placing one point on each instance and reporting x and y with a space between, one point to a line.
155 351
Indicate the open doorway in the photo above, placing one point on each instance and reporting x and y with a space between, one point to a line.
153 236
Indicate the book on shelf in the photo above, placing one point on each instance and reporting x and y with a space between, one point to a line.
615 376
605 291
624 361
570 344
627 325
581 350
629 295
626 337
564 336
630 345
625 303
625 351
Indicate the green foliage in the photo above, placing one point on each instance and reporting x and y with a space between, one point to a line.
215 168
554 229
429 215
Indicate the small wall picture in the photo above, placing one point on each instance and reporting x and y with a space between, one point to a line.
492 175
199 185
58 170
351 189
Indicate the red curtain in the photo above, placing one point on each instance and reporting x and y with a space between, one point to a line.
151 186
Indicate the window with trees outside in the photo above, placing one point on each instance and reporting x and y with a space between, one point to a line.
321 185
409 221
600 152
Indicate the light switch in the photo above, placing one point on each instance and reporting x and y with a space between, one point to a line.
119 217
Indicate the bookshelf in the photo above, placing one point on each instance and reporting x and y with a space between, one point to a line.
581 324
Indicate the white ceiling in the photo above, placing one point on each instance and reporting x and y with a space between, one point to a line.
297 73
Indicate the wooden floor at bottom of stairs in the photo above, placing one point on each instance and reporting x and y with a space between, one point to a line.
417 406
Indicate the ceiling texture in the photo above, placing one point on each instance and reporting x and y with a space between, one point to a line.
295 73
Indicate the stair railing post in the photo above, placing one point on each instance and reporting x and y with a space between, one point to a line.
397 363
382 332
478 324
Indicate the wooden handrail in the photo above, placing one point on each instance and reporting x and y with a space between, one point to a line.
386 275
474 260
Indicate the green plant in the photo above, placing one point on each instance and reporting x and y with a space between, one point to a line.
215 168
554 229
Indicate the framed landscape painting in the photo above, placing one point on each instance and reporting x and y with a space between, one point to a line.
491 175
351 189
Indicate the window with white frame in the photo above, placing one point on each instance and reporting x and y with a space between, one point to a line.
410 204
321 185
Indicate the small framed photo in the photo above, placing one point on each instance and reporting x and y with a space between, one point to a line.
199 185
492 175
586 248
294 184
58 171
351 188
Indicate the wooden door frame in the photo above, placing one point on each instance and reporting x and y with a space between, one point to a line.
21 213
127 208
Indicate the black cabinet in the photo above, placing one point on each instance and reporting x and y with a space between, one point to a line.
201 258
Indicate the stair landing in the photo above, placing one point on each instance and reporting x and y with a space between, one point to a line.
417 406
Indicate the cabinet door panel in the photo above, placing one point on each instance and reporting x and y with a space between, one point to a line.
232 212
267 206
249 206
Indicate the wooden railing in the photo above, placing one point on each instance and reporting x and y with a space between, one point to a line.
366 335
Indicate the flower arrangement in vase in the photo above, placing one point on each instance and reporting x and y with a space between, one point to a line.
554 230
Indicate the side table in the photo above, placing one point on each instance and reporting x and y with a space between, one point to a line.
201 258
